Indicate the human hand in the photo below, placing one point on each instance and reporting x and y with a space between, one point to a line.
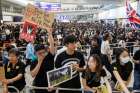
51 88
75 67
6 81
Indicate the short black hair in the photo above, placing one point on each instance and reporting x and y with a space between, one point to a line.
70 39
14 51
39 47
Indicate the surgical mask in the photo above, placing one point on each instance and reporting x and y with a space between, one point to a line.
124 60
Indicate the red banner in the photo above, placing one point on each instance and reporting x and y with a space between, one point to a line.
29 31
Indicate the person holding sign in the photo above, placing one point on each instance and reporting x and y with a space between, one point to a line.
71 57
43 64
14 72
91 77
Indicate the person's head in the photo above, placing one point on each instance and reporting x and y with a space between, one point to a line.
94 63
40 50
70 42
106 36
8 48
13 55
122 55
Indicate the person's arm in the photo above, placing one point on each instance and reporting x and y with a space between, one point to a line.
8 81
136 61
86 87
35 70
119 79
107 84
80 66
51 41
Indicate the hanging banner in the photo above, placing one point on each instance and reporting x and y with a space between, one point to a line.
38 16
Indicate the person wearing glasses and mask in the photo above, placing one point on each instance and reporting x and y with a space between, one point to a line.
43 64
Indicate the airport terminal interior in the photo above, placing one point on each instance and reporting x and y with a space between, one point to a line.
69 46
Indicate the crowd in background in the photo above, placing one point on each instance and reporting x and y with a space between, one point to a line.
40 59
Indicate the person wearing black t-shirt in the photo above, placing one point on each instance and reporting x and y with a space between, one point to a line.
136 58
91 77
14 72
123 65
71 57
43 64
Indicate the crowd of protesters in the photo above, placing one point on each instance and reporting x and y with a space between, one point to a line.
43 55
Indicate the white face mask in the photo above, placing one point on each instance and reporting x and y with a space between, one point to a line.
125 60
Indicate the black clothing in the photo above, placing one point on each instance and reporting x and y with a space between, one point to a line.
41 78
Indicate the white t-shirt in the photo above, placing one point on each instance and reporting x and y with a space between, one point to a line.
122 43
105 48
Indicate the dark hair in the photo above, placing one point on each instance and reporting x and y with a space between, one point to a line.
105 36
70 39
39 47
98 67
14 51
118 52
9 48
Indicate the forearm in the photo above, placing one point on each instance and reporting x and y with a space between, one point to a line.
80 69
51 41
35 70
18 77
87 88
119 79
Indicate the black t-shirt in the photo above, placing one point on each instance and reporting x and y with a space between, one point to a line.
137 57
11 72
64 59
93 81
47 65
124 70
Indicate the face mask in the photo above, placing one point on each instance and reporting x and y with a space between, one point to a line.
125 60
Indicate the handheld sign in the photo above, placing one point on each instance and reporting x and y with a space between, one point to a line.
38 16
60 75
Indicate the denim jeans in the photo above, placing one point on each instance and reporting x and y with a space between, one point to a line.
136 85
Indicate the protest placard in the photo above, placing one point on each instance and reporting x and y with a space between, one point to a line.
60 75
38 16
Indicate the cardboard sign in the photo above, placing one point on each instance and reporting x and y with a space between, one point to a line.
60 75
38 16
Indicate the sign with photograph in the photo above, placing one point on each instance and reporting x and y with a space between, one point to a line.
60 75
38 16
